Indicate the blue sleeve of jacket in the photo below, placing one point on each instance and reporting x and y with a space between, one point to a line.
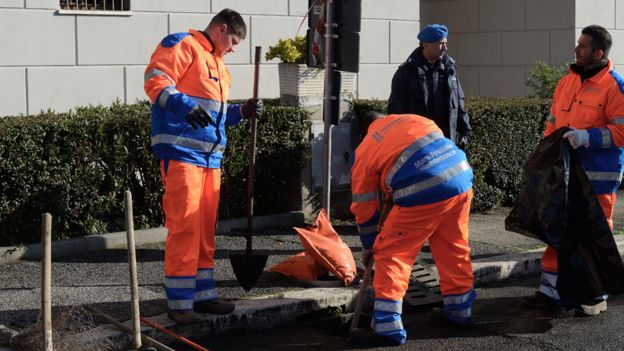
234 115
178 103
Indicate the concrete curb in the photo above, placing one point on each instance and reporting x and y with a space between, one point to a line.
92 243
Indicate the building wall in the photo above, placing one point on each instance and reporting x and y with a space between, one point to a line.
59 61
496 42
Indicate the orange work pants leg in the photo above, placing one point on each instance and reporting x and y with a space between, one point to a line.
445 224
190 205
548 282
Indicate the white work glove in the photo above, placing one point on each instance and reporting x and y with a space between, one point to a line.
367 255
577 138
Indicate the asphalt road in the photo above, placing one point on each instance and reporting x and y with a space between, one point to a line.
501 323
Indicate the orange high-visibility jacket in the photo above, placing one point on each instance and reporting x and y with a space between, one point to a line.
596 105
406 157
183 73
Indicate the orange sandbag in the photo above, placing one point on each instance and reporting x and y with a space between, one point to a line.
301 266
323 243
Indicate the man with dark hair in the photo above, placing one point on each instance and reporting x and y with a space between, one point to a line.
188 85
426 183
590 100
427 85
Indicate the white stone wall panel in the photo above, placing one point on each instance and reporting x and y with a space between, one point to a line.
501 15
562 43
374 41
134 84
242 81
268 29
600 12
469 80
391 9
619 14
617 49
64 88
374 81
549 14
18 4
297 7
403 40
13 92
119 40
526 48
478 49
42 4
457 15
193 6
36 37
502 81
253 7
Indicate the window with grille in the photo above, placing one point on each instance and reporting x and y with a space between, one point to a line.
95 5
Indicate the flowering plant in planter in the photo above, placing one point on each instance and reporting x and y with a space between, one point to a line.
288 50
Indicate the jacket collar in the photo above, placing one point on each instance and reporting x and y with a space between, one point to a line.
595 76
203 39
416 58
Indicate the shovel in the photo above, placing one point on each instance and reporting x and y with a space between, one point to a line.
249 267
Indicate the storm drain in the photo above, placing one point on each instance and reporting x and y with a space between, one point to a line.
424 286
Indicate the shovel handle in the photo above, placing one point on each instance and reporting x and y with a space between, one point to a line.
252 153
361 295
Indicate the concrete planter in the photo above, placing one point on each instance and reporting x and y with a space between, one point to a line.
301 85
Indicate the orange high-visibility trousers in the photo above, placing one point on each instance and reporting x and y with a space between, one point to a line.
549 258
190 204
445 225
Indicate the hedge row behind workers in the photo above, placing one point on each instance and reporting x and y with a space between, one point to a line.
188 85
427 85
589 99
406 158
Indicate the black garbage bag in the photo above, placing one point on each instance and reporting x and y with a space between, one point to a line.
558 206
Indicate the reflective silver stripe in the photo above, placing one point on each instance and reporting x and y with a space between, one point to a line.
371 229
164 96
156 72
551 118
605 136
465 313
209 294
378 137
616 121
408 152
366 197
605 176
431 182
548 285
387 306
388 327
180 304
180 283
204 274
456 299
186 142
210 105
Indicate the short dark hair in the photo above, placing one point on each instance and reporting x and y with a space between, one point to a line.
367 120
233 20
601 39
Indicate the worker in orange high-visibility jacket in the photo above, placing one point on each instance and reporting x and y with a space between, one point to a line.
589 99
188 85
408 159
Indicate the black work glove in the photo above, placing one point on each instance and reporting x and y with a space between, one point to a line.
252 107
199 117
462 142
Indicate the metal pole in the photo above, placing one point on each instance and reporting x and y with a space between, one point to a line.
46 280
327 101
134 285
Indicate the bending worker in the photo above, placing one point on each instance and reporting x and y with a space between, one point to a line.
590 100
407 158
188 85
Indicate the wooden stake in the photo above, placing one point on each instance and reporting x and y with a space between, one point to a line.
46 281
134 285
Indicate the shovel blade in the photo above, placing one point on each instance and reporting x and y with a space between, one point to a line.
248 269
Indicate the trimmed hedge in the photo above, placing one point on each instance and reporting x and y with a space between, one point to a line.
506 131
76 166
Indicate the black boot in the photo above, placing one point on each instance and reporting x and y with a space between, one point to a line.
213 307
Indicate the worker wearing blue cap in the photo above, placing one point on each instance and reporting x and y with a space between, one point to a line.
426 84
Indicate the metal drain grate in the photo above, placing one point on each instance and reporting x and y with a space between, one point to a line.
424 286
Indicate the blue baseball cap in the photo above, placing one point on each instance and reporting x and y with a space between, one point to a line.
433 33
